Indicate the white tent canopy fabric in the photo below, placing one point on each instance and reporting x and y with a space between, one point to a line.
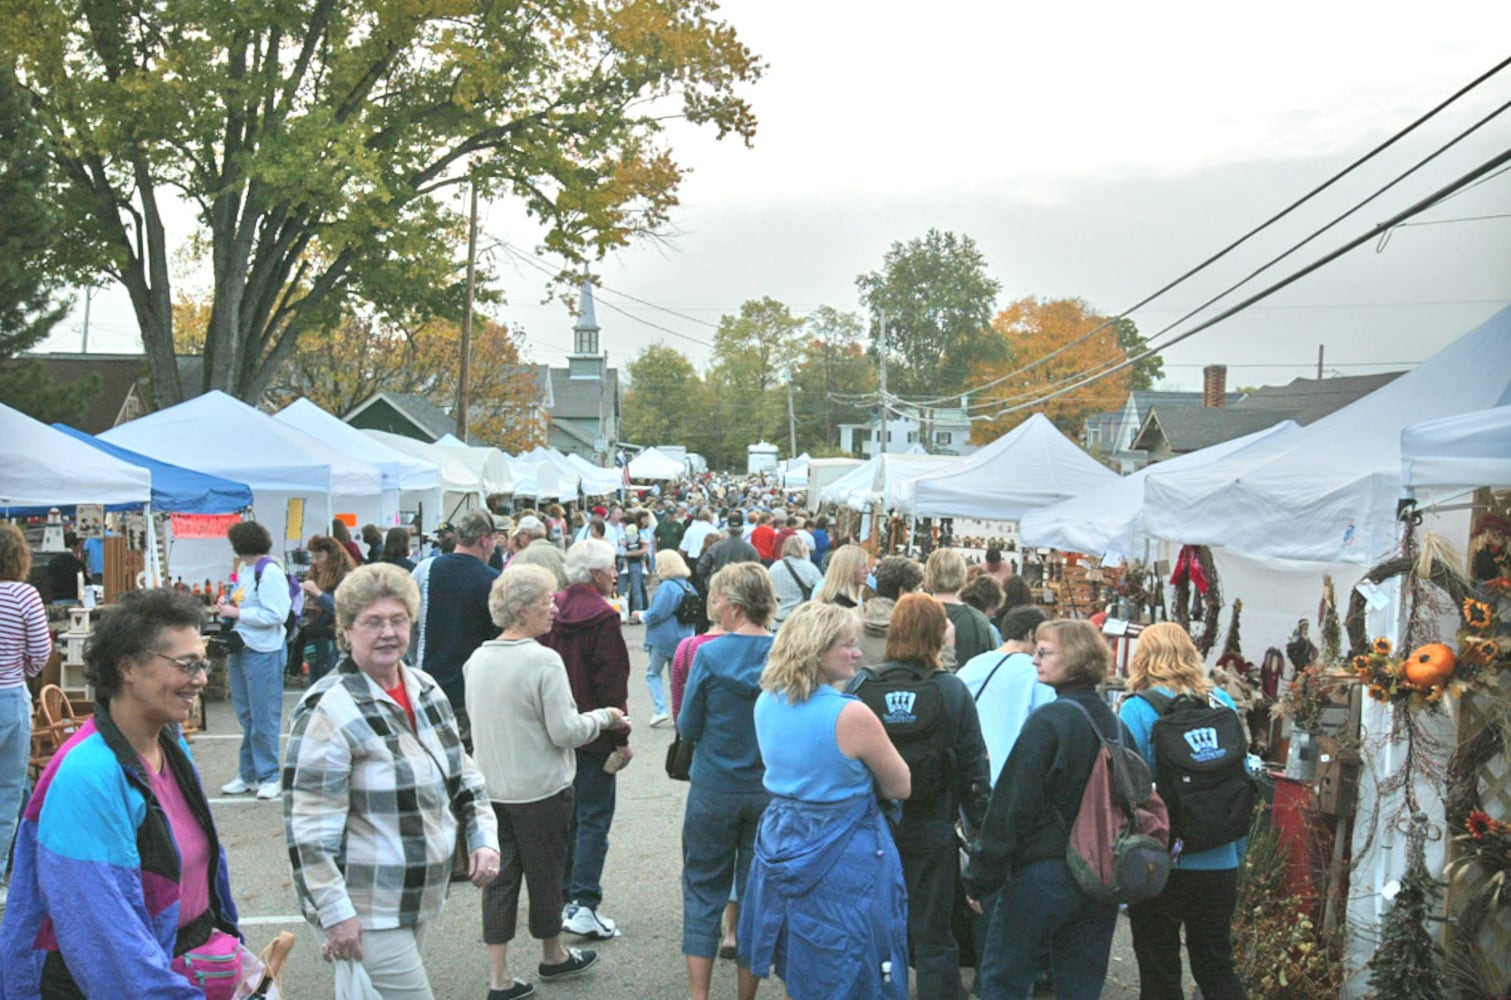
551 473
1110 520
596 480
538 479
1458 452
43 467
1032 465
461 484
1328 492
654 464
869 484
491 465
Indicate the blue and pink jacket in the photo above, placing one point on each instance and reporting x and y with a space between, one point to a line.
94 890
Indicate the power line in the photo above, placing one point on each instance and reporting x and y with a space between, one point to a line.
1421 120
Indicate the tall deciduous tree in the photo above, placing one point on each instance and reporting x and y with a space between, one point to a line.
661 405
833 364
31 234
752 361
321 144
1144 374
1030 329
938 298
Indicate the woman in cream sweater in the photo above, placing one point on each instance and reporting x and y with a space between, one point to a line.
528 727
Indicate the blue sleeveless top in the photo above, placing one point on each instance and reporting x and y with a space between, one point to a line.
801 751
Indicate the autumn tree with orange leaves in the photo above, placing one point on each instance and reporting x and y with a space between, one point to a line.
1033 329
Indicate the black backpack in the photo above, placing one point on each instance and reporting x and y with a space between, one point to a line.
911 708
689 610
1199 752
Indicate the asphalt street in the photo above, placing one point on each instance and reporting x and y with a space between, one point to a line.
641 885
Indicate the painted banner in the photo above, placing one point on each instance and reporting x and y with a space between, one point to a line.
203 525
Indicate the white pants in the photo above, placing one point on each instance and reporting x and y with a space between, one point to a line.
391 959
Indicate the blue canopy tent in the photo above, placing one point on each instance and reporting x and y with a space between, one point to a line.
176 490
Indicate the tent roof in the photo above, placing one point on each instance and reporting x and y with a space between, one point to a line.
596 480
871 482
1328 492
1462 451
1032 465
457 476
654 464
1109 519
400 471
175 490
42 467
492 465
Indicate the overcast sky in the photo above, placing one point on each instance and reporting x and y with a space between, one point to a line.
1095 150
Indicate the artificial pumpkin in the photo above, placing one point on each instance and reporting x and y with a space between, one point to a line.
1430 665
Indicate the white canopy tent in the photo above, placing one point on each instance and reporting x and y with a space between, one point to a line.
43 467
595 479
538 479
461 484
409 483
1328 492
869 484
1109 520
218 434
794 472
1458 452
653 464
1032 465
492 465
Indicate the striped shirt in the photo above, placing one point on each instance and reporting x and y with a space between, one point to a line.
24 640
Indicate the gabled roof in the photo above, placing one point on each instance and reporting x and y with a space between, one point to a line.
429 421
1144 399
1188 428
578 398
1306 400
119 374
573 432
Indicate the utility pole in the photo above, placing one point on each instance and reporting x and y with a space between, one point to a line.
461 382
791 420
881 381
88 294
1319 361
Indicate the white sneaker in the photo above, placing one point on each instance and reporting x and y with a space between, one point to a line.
237 787
270 790
4 892
585 921
660 719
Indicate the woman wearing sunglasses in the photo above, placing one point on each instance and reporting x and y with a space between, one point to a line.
120 885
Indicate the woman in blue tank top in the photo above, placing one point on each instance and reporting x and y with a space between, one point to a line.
825 902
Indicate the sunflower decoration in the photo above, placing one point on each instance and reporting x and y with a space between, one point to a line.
1418 680
1486 845
1482 652
1478 615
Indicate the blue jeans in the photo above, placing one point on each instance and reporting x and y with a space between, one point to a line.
583 881
1041 911
718 843
15 749
653 680
257 695
635 589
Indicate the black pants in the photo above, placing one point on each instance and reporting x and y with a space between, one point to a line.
930 863
533 845
1203 902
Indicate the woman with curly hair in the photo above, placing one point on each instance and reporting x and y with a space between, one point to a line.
329 564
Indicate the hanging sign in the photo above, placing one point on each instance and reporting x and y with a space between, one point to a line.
203 525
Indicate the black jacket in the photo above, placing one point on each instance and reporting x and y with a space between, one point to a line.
1039 791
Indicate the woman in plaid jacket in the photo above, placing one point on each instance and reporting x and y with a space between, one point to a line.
375 783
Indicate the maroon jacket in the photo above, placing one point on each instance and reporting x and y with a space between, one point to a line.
590 640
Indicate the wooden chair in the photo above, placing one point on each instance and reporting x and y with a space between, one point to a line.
58 714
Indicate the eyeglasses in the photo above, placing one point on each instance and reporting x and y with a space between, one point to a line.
189 665
399 623
1042 654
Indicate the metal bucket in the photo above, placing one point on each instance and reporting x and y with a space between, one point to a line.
1301 760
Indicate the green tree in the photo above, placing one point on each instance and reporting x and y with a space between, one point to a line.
938 299
659 404
30 279
752 359
833 363
1144 374
323 146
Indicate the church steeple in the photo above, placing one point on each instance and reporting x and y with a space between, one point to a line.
585 361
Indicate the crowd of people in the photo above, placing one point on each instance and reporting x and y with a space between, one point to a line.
853 722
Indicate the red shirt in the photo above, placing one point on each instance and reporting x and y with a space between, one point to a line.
764 540
400 695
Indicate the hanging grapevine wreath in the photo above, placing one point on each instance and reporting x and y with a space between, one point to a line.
1196 595
1442 575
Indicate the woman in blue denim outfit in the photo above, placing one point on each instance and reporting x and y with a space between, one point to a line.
725 802
826 904
663 632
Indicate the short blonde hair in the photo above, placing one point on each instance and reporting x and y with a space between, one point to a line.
367 585
808 633
1166 656
518 587
1081 643
671 566
839 578
747 586
944 573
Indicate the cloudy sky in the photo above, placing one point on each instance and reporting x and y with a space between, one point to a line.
1092 149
